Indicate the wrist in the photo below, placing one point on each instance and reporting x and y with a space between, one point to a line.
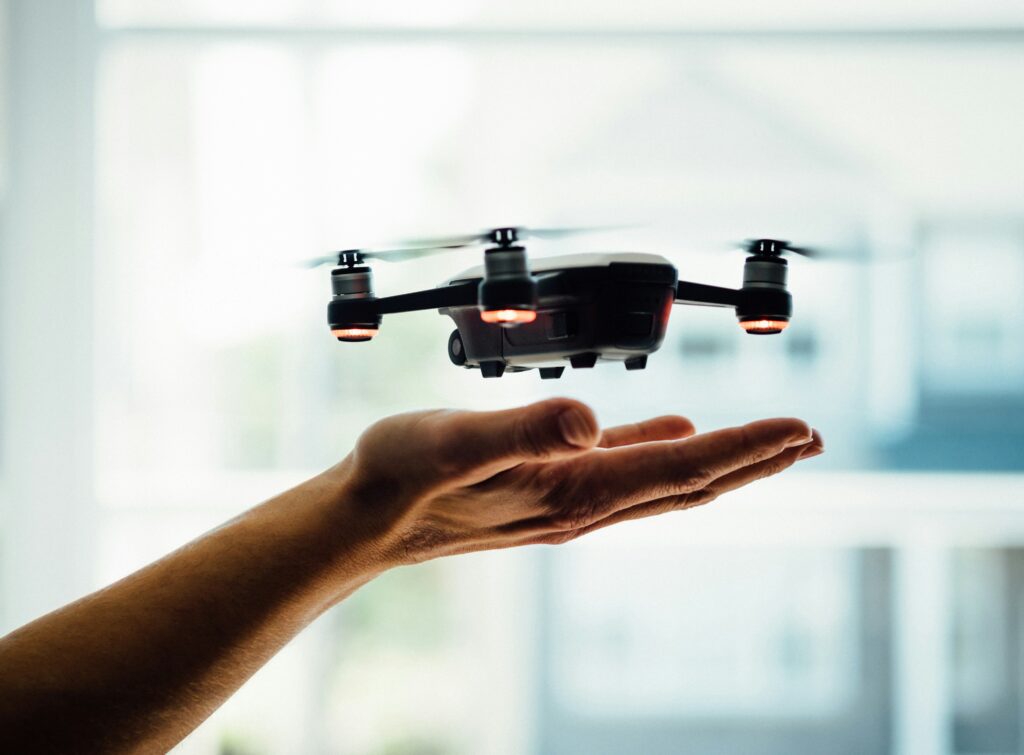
352 527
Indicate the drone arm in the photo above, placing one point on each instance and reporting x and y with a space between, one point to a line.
761 308
366 312
457 295
704 295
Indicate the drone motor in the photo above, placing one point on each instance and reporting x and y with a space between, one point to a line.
351 282
765 305
508 293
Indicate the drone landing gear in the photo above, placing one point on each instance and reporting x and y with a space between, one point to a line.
636 363
583 361
551 373
492 369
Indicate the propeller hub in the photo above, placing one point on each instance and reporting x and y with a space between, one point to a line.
350 258
504 236
767 247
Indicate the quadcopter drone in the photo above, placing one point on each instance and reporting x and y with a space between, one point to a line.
577 309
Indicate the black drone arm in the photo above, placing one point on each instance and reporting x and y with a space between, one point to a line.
465 294
367 312
456 295
703 295
761 308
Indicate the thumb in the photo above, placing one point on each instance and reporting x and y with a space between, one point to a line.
490 442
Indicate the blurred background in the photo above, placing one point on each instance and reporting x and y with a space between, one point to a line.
164 364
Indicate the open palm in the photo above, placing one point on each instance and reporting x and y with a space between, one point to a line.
455 481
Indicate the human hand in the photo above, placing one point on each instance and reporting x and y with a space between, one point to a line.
182 633
446 482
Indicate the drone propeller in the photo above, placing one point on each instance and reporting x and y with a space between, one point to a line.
356 256
506 236
777 247
502 237
858 254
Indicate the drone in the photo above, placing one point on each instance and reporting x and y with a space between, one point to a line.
572 310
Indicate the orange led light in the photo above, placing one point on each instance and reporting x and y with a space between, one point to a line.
354 334
519 316
763 327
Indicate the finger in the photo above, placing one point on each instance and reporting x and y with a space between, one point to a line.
761 470
621 477
490 442
643 472
725 484
670 427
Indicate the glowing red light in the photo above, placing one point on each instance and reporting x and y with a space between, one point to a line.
506 316
354 334
764 327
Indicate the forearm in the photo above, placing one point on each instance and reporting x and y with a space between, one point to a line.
142 662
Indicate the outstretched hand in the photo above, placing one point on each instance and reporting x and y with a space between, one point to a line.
445 482
137 665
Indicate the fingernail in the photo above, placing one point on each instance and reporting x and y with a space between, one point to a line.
810 452
576 429
801 441
816 448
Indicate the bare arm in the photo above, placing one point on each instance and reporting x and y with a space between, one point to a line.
138 665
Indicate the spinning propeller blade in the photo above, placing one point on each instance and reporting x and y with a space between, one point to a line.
424 247
507 234
778 247
389 255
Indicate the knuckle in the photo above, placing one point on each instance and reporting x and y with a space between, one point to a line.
574 514
699 498
693 478
572 500
570 518
560 498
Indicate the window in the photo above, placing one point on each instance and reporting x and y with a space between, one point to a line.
972 310
865 604
226 156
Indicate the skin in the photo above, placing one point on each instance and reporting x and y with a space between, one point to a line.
138 665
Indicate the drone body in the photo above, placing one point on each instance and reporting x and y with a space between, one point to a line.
574 310
590 308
